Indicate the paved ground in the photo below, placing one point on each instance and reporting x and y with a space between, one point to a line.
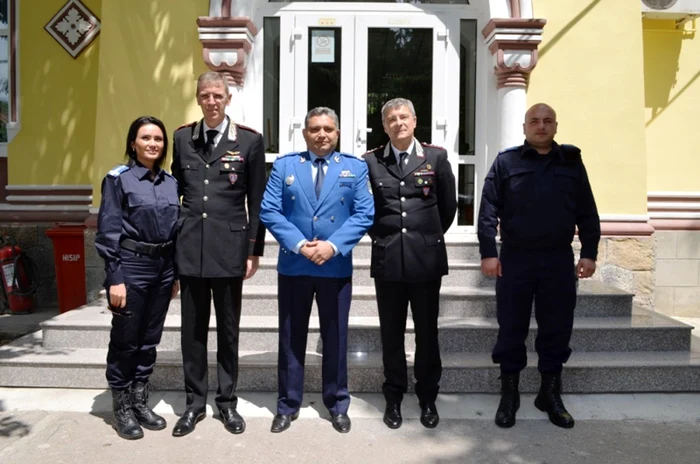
618 429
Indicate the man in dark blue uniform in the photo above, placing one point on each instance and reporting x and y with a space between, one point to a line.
540 193
136 229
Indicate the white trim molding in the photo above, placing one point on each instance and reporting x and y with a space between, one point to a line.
673 205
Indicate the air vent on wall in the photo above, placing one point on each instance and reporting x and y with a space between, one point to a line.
659 4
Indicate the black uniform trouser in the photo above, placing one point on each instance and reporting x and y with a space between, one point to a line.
196 294
133 339
392 301
549 278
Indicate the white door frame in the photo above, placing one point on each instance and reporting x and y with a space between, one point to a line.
297 17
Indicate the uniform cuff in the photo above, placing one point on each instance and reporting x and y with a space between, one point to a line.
589 253
115 278
299 245
335 248
488 250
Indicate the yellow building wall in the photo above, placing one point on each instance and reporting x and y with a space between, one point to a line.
56 102
150 58
590 70
672 105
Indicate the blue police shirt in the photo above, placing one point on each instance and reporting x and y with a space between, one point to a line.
138 206
539 200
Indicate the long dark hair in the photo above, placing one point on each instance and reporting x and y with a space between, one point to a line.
133 132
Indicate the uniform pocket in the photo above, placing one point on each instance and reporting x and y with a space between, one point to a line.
521 179
135 200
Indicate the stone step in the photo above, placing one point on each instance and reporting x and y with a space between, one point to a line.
643 331
26 363
462 273
459 247
595 299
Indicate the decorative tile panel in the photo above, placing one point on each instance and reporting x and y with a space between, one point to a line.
74 27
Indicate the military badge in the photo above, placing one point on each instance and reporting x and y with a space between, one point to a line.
290 180
429 167
302 160
336 158
226 165
420 181
233 177
426 191
346 174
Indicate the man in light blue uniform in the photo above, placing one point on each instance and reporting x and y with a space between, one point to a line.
318 204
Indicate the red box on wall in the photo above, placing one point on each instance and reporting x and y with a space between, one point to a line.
69 258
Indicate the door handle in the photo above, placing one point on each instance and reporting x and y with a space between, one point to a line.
362 134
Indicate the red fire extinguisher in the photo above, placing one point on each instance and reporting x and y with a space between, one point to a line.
19 279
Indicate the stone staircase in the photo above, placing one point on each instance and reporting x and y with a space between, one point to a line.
617 347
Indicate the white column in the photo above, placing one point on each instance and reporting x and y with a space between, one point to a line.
512 101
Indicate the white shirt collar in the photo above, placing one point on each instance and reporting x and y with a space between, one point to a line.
220 129
397 152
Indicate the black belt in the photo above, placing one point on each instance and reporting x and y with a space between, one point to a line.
153 250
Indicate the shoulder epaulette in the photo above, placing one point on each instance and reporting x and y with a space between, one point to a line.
380 147
189 124
431 145
573 149
517 147
118 170
249 129
355 157
287 155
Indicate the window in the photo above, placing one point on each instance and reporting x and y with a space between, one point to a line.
8 105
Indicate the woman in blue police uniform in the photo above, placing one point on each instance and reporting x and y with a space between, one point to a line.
135 236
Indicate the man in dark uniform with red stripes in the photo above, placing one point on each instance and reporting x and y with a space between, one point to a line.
220 169
415 204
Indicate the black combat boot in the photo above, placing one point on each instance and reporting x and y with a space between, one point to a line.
139 404
124 421
510 400
549 400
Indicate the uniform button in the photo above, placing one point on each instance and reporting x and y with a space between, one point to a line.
293 197
403 214
332 218
207 199
403 198
188 166
315 218
403 231
206 166
402 183
380 184
206 181
204 215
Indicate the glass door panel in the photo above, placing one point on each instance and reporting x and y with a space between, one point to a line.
323 62
394 62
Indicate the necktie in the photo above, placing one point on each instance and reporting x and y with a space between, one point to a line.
402 160
320 176
211 135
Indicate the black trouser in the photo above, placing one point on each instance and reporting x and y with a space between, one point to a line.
549 278
392 300
133 339
196 295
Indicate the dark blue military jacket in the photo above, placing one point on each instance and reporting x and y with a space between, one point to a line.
539 200
134 206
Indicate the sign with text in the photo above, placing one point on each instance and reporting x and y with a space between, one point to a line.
322 46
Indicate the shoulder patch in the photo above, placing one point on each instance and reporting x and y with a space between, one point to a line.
189 124
249 129
517 147
118 170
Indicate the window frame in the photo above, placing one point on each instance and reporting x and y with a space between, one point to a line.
10 31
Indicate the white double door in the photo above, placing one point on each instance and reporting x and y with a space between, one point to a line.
355 62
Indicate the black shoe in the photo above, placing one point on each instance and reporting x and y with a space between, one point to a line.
233 422
510 400
341 422
282 422
139 404
392 415
187 422
549 400
429 416
124 421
